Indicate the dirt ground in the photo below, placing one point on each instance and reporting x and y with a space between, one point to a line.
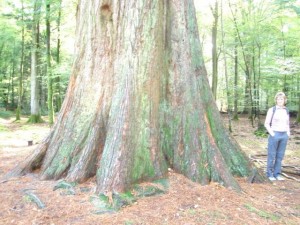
185 203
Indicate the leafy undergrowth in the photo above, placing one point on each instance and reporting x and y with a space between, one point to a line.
28 200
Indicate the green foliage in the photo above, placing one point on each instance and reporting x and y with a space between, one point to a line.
269 32
268 45
11 23
6 114
261 131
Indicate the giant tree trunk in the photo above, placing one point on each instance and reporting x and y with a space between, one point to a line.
138 102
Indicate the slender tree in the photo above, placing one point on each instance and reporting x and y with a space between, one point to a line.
48 59
20 87
138 102
215 12
58 91
236 79
12 75
298 114
247 68
225 69
35 116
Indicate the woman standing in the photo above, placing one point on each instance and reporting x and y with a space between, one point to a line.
278 125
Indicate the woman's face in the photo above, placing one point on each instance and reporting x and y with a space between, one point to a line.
280 101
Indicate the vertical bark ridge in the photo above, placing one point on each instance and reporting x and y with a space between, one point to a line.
73 152
191 106
132 151
219 168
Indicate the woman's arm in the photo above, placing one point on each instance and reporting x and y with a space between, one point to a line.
268 121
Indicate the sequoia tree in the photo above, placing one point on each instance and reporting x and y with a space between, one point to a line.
138 102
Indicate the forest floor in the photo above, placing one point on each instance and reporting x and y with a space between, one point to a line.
185 202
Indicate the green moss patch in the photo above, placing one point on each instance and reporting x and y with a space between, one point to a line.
112 202
262 213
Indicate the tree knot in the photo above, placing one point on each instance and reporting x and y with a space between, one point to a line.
106 12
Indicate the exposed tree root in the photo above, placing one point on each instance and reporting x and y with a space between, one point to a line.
32 162
287 170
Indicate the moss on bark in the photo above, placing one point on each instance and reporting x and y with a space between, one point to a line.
35 119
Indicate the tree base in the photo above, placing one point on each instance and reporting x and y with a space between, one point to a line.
35 119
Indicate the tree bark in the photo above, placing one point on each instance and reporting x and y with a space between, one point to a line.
138 102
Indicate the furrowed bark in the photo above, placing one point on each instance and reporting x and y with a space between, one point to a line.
132 148
85 110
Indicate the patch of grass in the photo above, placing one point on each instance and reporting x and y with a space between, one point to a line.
27 127
262 213
261 132
192 212
213 215
6 114
3 128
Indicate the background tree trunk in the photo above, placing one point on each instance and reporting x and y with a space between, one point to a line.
215 57
236 78
48 59
225 68
138 102
20 86
298 114
12 76
58 91
35 116
248 105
